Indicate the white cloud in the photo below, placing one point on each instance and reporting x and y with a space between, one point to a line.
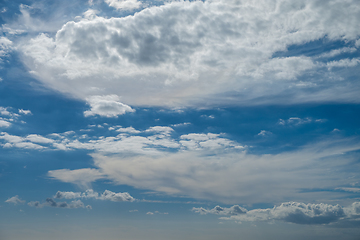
336 52
234 210
4 123
38 139
24 142
294 212
344 63
116 197
127 130
107 195
205 166
264 133
232 176
208 141
294 121
82 177
196 53
124 4
107 106
5 47
25 112
15 200
67 195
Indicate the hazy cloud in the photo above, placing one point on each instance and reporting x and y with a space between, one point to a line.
15 200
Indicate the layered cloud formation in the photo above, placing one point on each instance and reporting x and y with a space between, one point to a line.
293 212
203 166
212 52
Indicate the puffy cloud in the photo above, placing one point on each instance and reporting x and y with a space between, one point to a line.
21 142
116 197
190 53
124 4
234 210
130 140
294 212
67 195
4 123
25 112
49 202
107 106
127 130
107 195
15 200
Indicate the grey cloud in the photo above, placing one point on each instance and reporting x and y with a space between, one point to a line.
67 195
116 197
49 202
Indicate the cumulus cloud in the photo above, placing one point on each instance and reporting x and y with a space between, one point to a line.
9 116
234 210
200 52
124 4
4 123
15 200
130 140
24 142
106 195
25 112
293 212
106 106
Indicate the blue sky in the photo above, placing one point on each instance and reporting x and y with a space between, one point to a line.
179 120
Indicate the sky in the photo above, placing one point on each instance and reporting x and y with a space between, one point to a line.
214 119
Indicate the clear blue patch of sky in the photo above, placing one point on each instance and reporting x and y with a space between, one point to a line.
317 47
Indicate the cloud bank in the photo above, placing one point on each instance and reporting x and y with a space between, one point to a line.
292 212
